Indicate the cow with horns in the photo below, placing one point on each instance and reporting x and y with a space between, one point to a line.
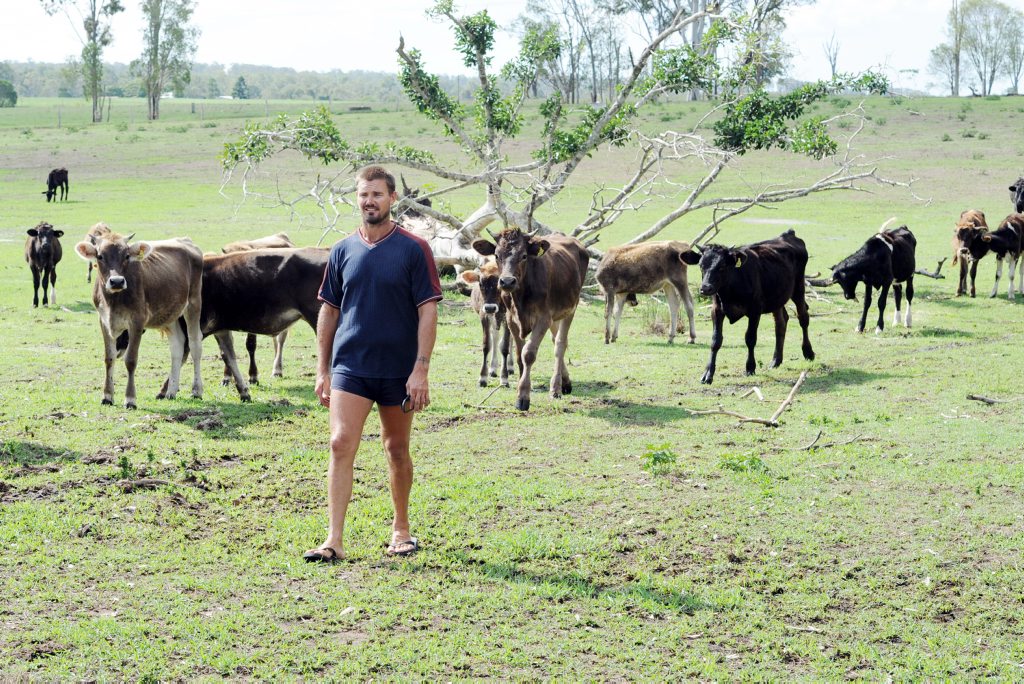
541 278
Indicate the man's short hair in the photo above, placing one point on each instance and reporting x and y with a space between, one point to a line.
376 172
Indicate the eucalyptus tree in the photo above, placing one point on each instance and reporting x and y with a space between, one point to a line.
514 185
169 43
95 16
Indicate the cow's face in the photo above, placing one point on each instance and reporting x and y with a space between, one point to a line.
847 281
45 236
717 264
965 236
511 252
1017 195
485 278
114 259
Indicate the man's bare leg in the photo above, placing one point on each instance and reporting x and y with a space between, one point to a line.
396 429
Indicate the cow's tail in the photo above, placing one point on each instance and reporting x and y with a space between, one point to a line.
886 224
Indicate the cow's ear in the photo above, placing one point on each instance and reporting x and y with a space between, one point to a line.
690 257
739 259
140 250
483 247
469 277
86 250
986 237
538 247
33 232
58 233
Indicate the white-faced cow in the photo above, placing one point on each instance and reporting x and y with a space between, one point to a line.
484 294
58 178
1005 243
540 279
751 281
643 269
141 286
42 252
97 231
276 241
968 248
1017 196
886 259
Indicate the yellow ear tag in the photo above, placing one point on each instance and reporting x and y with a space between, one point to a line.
739 261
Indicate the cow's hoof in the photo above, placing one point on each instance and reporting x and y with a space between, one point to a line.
225 382
107 402
483 382
707 379
809 354
693 340
523 404
130 405
254 381
277 374
245 398
504 383
566 388
878 330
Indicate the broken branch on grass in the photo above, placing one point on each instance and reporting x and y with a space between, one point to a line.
753 390
770 422
826 445
150 483
789 400
934 274
990 400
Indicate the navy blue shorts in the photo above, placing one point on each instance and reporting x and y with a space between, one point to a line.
383 391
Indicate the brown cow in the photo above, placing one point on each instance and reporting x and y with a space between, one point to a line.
967 246
42 252
482 283
1006 243
276 241
541 279
643 269
141 286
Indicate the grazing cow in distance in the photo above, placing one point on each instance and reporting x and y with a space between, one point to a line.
276 241
485 297
262 292
750 281
142 286
540 279
42 252
967 246
642 269
97 231
1005 242
1017 195
58 178
887 258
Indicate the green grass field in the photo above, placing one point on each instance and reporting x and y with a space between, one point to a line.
610 535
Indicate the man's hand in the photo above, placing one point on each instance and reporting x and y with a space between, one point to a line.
418 388
322 389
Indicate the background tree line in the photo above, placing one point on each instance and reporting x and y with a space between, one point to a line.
984 42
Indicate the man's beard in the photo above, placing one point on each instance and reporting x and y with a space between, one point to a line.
381 217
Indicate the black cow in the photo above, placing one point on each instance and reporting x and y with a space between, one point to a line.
1005 242
58 178
42 252
541 280
751 281
887 258
1017 195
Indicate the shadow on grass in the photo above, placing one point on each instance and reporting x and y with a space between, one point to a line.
225 419
942 332
79 307
618 411
33 453
839 377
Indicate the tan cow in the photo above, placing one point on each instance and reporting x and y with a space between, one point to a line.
482 283
141 286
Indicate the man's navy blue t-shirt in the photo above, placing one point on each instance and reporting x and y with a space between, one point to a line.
379 288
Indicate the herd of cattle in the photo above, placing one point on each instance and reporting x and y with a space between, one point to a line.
523 286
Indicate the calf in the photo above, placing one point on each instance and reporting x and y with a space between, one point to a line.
97 231
42 252
750 281
276 241
540 279
1005 242
968 248
887 258
141 286
486 299
643 269
1017 195
58 178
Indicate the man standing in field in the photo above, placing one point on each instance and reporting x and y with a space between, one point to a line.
375 336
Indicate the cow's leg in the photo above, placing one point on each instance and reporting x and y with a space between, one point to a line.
804 316
609 312
53 285
493 327
250 347
529 355
485 326
227 353
506 362
176 338
131 360
195 340
883 295
45 282
279 341
109 356
1011 293
683 290
753 321
867 305
564 384
910 296
974 275
781 322
961 288
897 295
717 320
35 286
999 274
673 310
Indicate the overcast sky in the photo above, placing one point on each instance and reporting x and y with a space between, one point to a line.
895 35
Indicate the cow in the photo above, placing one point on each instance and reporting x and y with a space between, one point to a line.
58 178
142 286
99 230
42 253
968 247
262 292
750 281
1005 242
1017 195
482 283
886 258
276 241
643 269
540 279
